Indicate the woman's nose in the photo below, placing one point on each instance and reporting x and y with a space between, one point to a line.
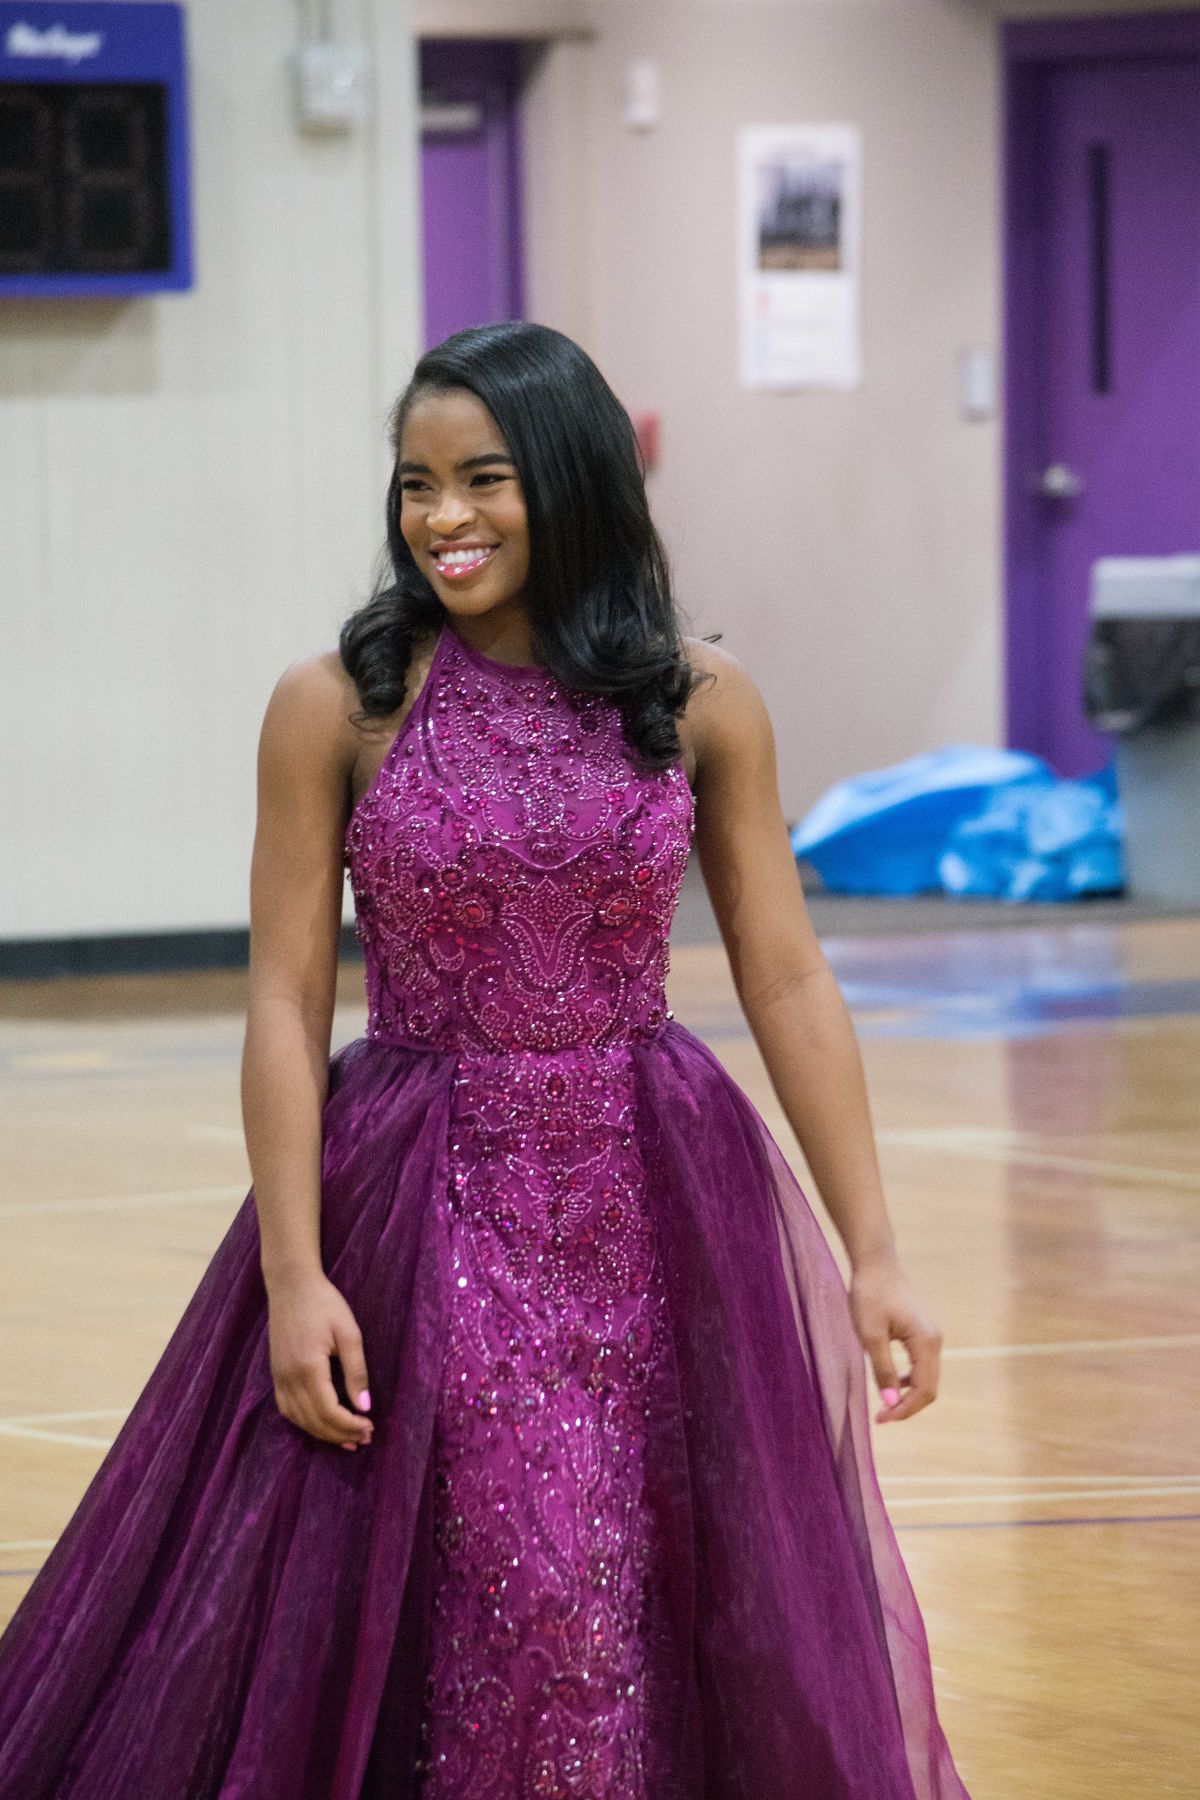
451 511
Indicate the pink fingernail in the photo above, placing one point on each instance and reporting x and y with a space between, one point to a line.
890 1396
364 1401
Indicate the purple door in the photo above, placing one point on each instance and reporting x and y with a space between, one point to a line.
1104 358
470 179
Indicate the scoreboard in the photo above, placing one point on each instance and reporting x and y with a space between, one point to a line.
94 182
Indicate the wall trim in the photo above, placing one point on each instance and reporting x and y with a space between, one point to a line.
138 953
505 18
1070 38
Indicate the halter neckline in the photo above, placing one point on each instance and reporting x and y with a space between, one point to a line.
518 671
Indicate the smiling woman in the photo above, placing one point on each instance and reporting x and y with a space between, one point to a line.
510 443
462 507
604 1521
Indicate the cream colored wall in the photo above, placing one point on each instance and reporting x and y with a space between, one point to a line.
847 545
191 491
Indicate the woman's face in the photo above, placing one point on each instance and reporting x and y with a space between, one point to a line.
462 511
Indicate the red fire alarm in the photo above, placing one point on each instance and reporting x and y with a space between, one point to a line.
648 426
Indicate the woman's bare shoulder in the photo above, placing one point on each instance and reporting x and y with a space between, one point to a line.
713 659
318 681
727 702
310 711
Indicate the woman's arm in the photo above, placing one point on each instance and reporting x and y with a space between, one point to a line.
796 1012
305 756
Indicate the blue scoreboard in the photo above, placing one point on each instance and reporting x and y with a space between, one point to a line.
94 186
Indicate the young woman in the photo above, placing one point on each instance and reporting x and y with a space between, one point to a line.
515 1445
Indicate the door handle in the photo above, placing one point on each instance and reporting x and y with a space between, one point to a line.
1057 482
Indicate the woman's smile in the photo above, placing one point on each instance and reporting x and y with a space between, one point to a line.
458 562
463 512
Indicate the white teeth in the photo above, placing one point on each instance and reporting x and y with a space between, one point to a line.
459 559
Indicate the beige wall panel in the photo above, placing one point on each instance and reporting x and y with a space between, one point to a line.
193 491
846 545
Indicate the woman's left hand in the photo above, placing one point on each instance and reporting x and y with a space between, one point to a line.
885 1307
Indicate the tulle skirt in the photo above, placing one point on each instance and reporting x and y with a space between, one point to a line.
238 1610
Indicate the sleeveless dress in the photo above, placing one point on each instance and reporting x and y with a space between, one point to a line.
619 1535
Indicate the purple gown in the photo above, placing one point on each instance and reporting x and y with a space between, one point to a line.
619 1535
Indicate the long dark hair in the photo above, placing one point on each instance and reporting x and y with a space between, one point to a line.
601 611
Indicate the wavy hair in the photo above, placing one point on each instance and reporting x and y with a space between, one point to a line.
601 610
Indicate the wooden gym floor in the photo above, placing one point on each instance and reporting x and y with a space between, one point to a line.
1037 1097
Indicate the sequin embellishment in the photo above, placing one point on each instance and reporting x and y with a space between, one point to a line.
514 880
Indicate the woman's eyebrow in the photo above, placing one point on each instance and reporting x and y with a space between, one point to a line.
470 462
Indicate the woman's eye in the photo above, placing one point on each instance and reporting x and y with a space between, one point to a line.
488 478
411 487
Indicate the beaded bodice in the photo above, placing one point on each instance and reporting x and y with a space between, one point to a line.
514 875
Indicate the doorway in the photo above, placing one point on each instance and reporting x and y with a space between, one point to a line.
470 183
1102 334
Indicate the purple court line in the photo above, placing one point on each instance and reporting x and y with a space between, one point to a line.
975 1525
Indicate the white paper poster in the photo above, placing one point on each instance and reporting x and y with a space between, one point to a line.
799 256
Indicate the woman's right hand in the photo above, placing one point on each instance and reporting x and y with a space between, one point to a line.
309 1322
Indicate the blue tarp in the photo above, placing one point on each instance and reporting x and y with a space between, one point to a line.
1041 841
967 820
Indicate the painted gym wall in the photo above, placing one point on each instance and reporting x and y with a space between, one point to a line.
847 545
191 491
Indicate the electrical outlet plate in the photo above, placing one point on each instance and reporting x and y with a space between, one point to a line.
332 86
